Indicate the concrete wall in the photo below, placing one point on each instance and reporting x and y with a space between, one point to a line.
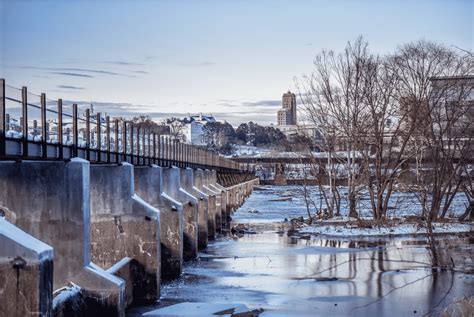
149 185
26 273
50 201
124 226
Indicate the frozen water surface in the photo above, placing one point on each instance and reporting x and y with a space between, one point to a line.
316 276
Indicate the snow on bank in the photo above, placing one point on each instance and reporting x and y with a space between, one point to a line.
400 229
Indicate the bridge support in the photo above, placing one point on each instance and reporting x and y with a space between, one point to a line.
210 203
188 180
149 184
125 232
200 183
172 186
223 192
207 182
57 212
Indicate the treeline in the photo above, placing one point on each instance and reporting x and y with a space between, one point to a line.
222 136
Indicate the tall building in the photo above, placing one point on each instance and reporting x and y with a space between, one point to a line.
287 114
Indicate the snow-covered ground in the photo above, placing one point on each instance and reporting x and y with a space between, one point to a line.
279 204
400 229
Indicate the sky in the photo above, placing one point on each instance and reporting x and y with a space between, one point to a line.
231 59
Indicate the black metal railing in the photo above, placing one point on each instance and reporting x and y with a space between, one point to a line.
35 127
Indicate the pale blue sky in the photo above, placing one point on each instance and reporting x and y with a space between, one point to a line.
233 59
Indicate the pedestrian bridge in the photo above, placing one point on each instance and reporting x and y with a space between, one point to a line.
95 213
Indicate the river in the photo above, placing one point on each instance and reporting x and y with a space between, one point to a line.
317 276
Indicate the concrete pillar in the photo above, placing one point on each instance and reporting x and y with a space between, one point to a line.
188 182
125 226
207 182
26 273
172 187
199 182
150 186
222 190
50 201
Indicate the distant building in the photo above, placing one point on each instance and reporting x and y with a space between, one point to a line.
287 115
194 126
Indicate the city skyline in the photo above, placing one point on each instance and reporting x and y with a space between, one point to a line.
173 58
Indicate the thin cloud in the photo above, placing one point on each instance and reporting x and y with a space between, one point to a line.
140 72
70 87
198 64
123 63
72 74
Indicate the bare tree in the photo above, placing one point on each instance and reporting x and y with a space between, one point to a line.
435 84
176 127
334 100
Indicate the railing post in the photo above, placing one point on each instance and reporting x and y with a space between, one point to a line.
154 148
75 131
60 128
24 119
131 142
88 134
107 137
3 114
138 145
44 149
99 137
116 148
124 141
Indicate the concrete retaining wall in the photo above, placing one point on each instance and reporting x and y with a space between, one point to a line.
124 226
200 183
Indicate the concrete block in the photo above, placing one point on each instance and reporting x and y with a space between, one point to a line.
209 204
207 182
57 212
223 193
149 185
172 186
26 273
200 183
124 226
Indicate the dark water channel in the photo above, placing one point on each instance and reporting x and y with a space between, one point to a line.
314 276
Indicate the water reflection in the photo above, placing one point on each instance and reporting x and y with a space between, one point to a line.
303 277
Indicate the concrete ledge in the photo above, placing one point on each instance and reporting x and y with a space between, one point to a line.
26 273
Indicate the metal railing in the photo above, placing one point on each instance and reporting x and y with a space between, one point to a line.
46 129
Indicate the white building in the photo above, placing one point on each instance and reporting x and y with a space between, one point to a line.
194 128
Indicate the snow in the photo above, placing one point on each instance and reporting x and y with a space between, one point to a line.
198 309
401 229
14 233
66 293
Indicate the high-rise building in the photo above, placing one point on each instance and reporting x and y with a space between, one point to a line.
287 114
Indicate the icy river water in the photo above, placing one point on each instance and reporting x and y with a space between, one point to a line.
318 276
